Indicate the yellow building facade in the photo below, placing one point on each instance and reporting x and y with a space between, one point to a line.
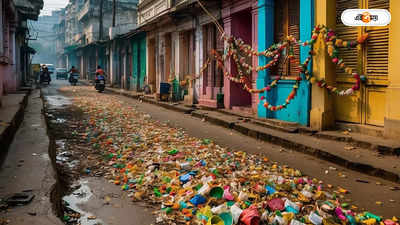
376 104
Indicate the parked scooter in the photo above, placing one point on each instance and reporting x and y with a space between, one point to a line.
73 79
100 83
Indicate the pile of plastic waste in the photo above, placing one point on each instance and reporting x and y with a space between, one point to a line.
198 182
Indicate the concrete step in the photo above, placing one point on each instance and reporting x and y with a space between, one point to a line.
11 116
379 144
357 139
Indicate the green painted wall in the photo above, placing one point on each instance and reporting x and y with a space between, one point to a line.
139 62
142 60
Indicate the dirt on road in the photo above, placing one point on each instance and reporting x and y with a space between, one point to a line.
82 197
78 170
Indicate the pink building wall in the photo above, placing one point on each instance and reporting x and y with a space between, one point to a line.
212 76
8 80
240 20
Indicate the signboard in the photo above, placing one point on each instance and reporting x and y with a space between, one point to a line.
36 68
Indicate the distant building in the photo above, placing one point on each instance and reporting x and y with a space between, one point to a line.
59 30
85 41
15 54
42 30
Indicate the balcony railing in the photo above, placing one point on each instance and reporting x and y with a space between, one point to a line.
151 9
85 10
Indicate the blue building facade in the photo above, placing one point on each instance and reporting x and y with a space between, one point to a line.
299 108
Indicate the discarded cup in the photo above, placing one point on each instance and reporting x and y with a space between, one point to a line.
227 218
198 200
215 220
217 192
250 216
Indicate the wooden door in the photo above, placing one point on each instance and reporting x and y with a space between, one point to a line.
366 106
135 65
142 62
376 55
287 22
129 70
287 17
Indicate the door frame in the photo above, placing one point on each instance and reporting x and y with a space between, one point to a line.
299 109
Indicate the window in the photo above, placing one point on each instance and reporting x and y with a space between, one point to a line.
287 17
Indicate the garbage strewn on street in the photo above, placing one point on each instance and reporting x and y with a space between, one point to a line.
195 181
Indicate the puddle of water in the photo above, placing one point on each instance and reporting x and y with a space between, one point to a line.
58 101
79 197
60 144
73 163
64 156
60 120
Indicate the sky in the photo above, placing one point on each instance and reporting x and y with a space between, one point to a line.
50 5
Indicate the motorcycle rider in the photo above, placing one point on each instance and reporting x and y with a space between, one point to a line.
99 72
45 73
99 83
72 71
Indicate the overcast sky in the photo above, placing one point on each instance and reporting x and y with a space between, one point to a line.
50 5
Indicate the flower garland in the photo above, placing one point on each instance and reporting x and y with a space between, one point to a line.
333 43
239 51
237 45
189 78
243 80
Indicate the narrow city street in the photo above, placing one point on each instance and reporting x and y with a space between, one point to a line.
204 112
111 150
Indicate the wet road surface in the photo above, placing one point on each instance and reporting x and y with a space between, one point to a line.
93 199
376 195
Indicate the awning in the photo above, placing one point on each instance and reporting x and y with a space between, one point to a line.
70 48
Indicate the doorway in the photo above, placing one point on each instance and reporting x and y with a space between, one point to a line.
366 106
240 99
152 65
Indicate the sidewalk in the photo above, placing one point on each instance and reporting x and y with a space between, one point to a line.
366 154
11 116
27 168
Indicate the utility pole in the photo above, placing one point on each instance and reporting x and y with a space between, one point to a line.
101 21
114 12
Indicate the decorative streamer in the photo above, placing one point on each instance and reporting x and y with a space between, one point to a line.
239 52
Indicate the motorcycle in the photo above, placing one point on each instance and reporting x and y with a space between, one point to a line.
74 79
100 83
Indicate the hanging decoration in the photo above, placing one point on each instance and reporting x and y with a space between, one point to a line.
236 46
189 78
238 51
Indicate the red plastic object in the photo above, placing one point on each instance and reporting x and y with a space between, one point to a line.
250 216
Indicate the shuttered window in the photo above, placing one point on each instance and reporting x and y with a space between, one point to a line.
287 17
280 33
294 30
350 56
377 48
373 59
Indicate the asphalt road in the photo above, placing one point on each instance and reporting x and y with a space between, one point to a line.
376 196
